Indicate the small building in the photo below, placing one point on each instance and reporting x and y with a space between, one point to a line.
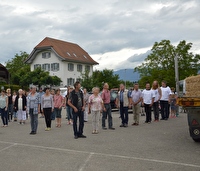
66 60
4 74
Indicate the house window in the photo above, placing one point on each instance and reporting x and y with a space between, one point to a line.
70 81
46 67
46 55
87 68
37 66
85 56
55 67
79 68
70 67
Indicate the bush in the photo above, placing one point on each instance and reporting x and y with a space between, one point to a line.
12 87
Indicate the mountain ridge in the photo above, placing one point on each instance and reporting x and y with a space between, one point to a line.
127 75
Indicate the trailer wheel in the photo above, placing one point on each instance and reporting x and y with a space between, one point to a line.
196 140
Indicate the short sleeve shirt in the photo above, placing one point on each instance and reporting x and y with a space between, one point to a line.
3 101
95 102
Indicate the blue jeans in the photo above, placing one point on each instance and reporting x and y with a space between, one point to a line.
124 114
77 115
4 116
105 114
34 121
57 112
69 113
15 114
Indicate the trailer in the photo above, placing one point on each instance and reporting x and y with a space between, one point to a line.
192 106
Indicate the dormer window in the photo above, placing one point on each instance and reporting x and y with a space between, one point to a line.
46 55
74 54
68 54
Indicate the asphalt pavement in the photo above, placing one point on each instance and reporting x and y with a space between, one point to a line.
159 146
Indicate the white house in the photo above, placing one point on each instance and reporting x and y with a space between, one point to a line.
63 59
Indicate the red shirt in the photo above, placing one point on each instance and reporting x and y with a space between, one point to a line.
105 96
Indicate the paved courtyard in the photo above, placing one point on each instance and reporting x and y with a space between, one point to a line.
161 146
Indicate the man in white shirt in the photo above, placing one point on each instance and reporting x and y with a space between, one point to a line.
164 101
148 97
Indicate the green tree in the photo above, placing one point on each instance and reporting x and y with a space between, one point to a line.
22 76
159 65
87 81
17 68
98 78
39 77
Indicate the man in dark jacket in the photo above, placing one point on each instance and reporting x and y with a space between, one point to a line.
77 103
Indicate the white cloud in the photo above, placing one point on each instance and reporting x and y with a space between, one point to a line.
123 59
111 31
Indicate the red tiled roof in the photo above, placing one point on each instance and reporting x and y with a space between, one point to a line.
66 50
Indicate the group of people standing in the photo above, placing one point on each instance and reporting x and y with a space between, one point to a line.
49 104
31 104
12 105
152 97
96 104
79 104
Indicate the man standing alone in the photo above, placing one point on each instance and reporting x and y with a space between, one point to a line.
122 102
135 101
106 99
77 103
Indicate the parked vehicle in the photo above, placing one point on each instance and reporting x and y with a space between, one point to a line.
113 96
192 106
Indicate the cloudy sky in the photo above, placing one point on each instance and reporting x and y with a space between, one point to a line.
118 34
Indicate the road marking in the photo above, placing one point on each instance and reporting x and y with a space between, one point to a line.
13 144
86 161
100 154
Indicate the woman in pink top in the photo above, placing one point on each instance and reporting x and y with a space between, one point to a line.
58 103
95 107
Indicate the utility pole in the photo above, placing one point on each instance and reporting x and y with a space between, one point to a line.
176 78
176 74
125 78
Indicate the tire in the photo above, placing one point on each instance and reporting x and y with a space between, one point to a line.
196 140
